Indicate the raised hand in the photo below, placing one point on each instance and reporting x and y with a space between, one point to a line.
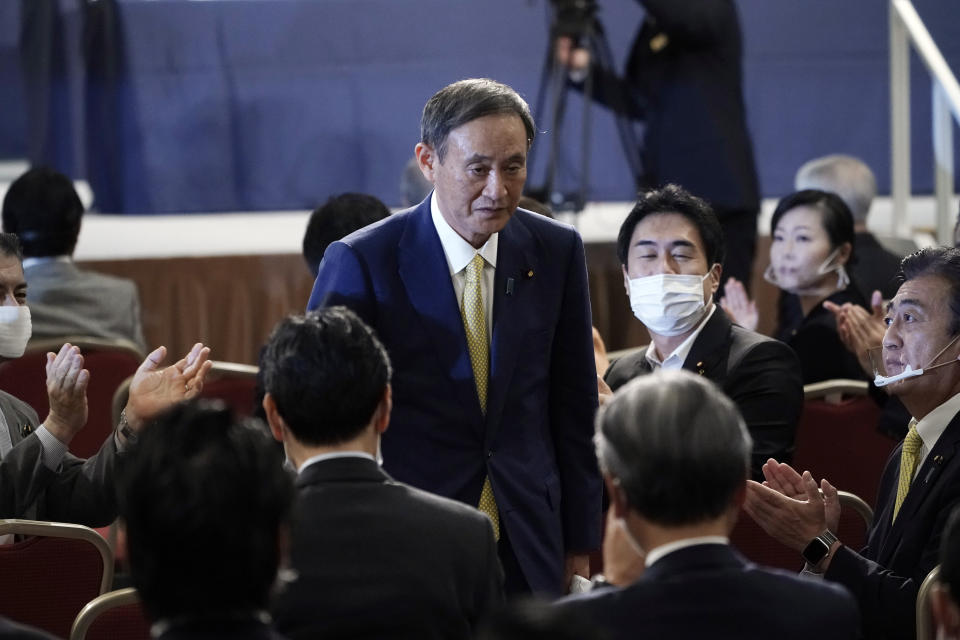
154 390
738 305
67 392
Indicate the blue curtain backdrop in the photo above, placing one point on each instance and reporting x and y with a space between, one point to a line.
179 106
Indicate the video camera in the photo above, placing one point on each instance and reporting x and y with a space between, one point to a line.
573 18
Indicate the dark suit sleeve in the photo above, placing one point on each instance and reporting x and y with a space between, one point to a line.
84 491
767 388
489 595
23 477
887 600
697 23
573 403
343 279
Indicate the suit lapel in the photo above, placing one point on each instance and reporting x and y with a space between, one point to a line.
426 277
513 300
939 458
708 354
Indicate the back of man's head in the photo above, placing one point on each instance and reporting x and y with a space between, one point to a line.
848 177
338 217
327 373
203 498
44 210
676 446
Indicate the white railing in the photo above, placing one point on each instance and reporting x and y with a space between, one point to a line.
907 28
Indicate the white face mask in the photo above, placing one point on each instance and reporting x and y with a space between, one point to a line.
805 289
15 330
668 304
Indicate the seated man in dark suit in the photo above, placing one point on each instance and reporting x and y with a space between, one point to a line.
375 558
671 250
921 482
43 209
338 217
675 455
39 479
204 504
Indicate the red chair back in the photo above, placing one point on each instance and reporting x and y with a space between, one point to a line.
233 383
839 441
50 576
110 362
117 614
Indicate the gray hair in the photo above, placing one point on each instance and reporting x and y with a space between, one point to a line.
677 446
465 101
847 176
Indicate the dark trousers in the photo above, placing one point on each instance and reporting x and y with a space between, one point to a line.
514 583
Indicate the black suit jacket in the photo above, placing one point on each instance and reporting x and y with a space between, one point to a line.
759 374
885 575
710 591
380 559
213 628
876 268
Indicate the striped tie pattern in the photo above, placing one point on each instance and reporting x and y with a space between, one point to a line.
908 464
475 326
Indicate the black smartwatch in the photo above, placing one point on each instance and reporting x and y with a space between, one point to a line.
818 548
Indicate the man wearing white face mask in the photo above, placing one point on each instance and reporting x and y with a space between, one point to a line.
675 455
39 480
671 250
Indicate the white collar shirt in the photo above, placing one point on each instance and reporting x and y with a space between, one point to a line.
676 359
932 426
458 253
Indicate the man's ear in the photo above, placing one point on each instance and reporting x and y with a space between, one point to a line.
426 159
277 425
618 497
715 272
382 413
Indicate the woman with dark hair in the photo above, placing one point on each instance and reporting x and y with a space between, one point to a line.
811 246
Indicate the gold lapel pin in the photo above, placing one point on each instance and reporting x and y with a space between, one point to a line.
25 430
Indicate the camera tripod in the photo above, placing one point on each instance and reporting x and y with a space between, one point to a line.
579 23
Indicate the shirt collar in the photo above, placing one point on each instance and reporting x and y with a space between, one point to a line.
30 262
659 552
333 456
676 359
458 251
932 426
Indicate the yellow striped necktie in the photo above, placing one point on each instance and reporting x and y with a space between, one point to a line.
909 454
475 326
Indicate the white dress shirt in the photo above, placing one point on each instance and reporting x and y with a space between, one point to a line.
676 359
932 426
459 253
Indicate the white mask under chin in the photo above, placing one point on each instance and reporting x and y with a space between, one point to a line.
807 289
668 304
15 330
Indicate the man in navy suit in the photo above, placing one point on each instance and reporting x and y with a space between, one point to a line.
485 313
921 482
675 456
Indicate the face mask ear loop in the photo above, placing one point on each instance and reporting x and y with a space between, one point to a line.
770 275
940 353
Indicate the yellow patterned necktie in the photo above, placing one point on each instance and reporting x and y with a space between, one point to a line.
475 325
909 454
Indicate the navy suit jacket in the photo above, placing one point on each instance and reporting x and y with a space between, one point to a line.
535 441
886 574
710 591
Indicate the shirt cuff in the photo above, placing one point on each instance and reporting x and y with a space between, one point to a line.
808 572
53 449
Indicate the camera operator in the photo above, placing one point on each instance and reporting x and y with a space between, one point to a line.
684 80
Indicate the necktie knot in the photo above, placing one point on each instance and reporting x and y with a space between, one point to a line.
474 268
912 442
